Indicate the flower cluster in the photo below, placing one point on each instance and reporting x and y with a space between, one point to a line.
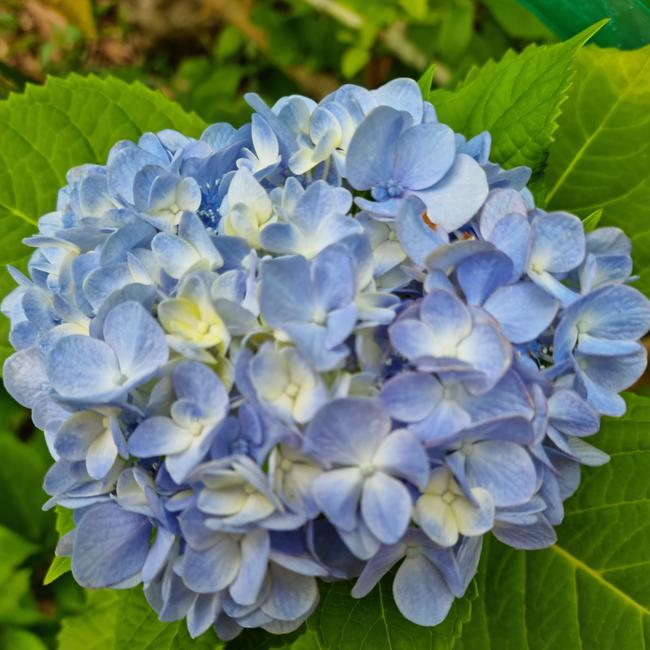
335 340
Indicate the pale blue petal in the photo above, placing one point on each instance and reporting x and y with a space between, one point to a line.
371 153
110 546
401 454
423 155
255 548
158 436
558 242
480 274
137 340
402 94
523 310
337 494
504 469
416 237
291 596
453 201
347 431
80 367
411 396
421 593
286 294
386 507
212 569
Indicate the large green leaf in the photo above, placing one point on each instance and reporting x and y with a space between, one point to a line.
629 26
601 156
517 99
591 590
51 128
374 622
123 620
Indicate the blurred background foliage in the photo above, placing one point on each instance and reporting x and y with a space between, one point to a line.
205 54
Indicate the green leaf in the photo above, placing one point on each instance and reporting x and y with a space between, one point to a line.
628 28
426 81
375 623
60 565
21 476
14 638
123 620
140 629
14 549
51 128
592 589
601 156
94 628
517 99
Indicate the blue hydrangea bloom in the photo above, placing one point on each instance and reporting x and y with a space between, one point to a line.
334 341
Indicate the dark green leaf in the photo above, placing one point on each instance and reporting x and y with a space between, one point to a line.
629 26
375 623
592 589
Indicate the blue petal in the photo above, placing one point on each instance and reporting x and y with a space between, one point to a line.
286 294
503 468
137 340
420 592
416 237
386 507
423 155
558 243
523 310
453 201
347 431
110 546
158 436
212 569
337 494
571 415
291 596
80 367
480 274
401 454
195 381
255 547
411 396
334 278
402 94
371 153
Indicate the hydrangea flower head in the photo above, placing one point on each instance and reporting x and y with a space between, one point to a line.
335 341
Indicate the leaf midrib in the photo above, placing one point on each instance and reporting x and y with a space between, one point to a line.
580 153
595 575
